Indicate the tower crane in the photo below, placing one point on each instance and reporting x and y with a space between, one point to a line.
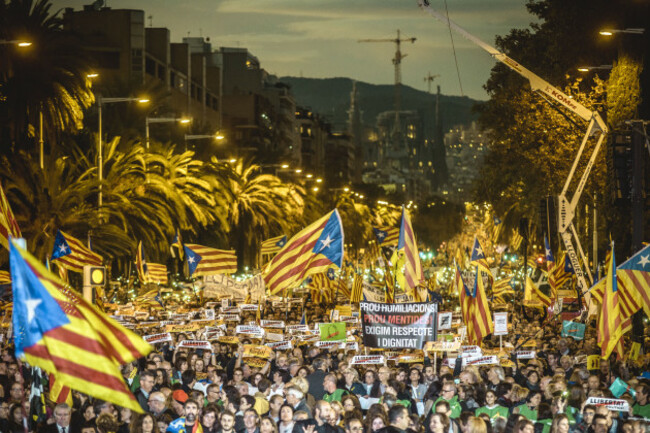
397 61
429 79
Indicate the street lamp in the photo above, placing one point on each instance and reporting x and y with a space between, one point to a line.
19 43
100 159
632 31
150 120
216 136
594 68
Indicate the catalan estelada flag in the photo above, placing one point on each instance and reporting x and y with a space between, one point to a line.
69 253
8 224
386 236
314 249
503 287
516 240
157 273
202 261
273 245
610 322
478 257
480 324
60 332
177 245
550 265
409 246
533 297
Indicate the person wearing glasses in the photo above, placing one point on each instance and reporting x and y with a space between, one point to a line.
448 394
353 425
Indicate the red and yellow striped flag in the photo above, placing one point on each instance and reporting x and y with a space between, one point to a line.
58 392
8 224
409 246
69 253
66 336
610 325
357 289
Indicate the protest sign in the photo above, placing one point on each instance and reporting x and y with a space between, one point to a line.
295 328
574 330
257 351
480 360
328 344
221 285
281 345
157 338
406 326
619 387
410 358
593 362
273 336
500 323
183 328
525 354
192 344
444 346
255 362
374 293
352 345
248 307
368 359
444 320
228 339
610 403
272 324
332 331
252 330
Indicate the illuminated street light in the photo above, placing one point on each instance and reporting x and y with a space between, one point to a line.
632 31
285 166
309 176
298 170
100 160
315 189
346 189
594 68
92 75
232 161
319 180
150 120
19 43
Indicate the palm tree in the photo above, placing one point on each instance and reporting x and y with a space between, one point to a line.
49 77
261 206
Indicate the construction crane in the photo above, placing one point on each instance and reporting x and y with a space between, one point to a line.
397 61
429 79
596 131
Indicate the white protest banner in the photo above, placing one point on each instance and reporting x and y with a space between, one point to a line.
353 345
248 307
500 323
480 360
272 324
250 330
348 319
444 320
221 285
525 354
231 310
273 336
141 315
368 359
281 345
157 338
208 314
230 317
191 344
469 351
328 344
295 328
373 294
610 403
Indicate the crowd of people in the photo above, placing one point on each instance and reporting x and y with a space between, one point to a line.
307 389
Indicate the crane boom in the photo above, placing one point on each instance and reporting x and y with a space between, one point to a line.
596 126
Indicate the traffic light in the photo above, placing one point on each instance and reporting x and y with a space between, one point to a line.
94 276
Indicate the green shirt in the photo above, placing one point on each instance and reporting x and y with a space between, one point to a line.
643 411
527 412
493 412
546 423
335 396
455 407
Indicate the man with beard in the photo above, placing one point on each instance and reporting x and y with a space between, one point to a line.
190 422
227 422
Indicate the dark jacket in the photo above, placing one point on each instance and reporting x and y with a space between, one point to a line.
316 384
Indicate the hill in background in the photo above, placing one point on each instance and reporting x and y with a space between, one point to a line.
330 97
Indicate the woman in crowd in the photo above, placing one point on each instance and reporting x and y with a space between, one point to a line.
209 416
417 389
467 398
351 406
286 419
144 424
529 408
352 383
438 423
560 424
371 387
491 408
267 425
375 422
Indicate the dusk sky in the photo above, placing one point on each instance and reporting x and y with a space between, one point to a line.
318 39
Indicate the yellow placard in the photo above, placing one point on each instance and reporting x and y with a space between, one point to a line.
634 351
344 310
593 362
410 358
228 339
256 362
257 351
191 327
505 362
145 325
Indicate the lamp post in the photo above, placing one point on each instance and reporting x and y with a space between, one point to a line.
150 120
100 159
